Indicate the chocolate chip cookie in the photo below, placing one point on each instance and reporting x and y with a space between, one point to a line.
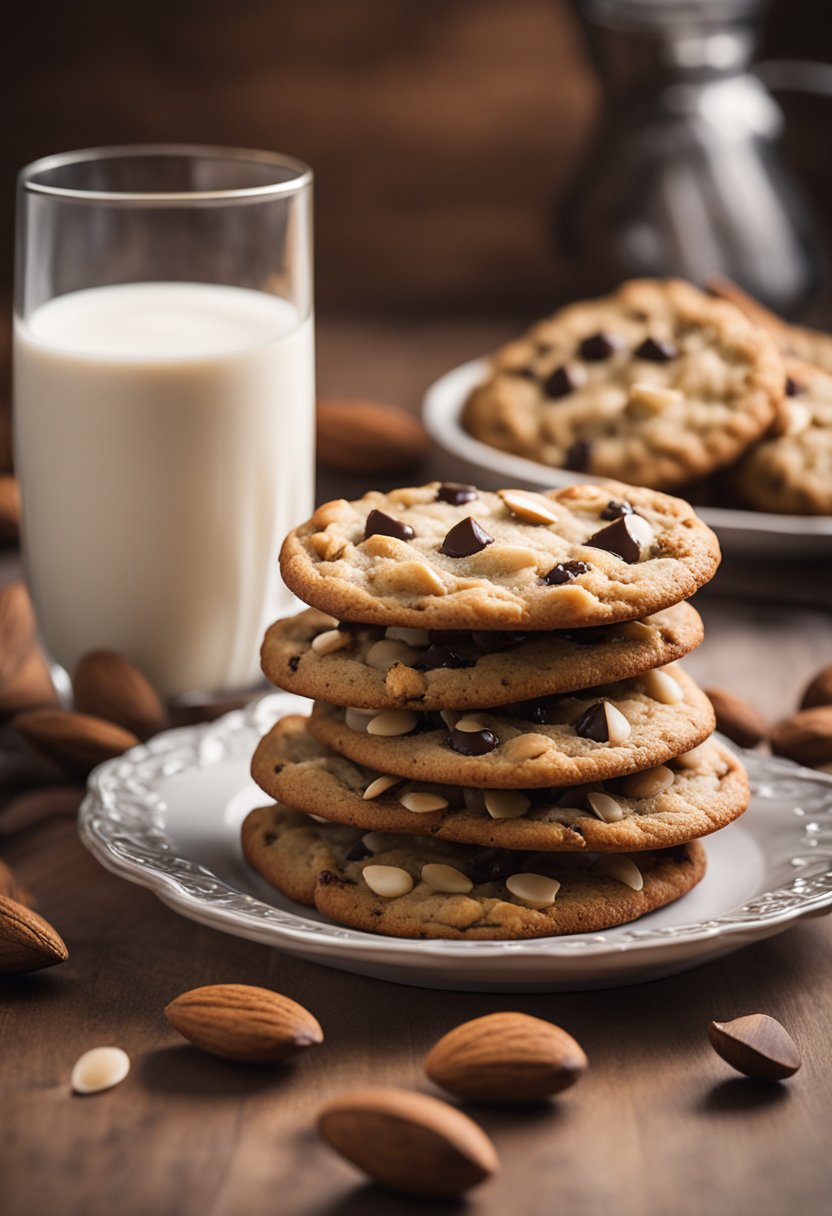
659 384
582 736
688 797
444 556
402 886
790 470
809 345
375 668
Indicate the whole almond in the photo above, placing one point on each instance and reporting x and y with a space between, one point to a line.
756 1045
368 437
241 1022
31 807
27 941
109 686
78 741
506 1058
29 687
9 509
17 629
737 718
409 1141
819 690
806 736
11 888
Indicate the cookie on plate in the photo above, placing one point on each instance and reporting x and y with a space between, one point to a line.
690 796
790 470
659 384
373 668
809 345
433 889
578 737
444 556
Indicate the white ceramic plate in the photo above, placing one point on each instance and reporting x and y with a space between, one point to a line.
746 532
167 815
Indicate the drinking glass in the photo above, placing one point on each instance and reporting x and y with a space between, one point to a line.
163 402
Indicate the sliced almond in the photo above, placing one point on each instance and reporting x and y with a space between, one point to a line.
469 724
423 803
98 1069
413 637
647 399
390 882
622 869
383 654
358 719
662 687
530 510
330 641
506 804
647 784
393 722
534 890
380 786
525 747
618 728
605 807
447 880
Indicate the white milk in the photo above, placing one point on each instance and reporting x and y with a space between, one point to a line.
164 440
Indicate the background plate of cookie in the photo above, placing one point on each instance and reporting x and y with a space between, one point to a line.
740 531
167 815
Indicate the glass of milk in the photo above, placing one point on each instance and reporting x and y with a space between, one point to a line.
163 402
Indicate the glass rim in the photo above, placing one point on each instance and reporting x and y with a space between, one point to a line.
302 174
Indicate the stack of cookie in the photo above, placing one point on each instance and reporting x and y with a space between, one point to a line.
502 744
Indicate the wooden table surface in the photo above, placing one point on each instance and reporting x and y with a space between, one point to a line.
660 1126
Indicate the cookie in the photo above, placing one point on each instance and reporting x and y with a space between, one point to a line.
689 797
790 471
658 384
466 894
809 345
452 557
583 736
371 668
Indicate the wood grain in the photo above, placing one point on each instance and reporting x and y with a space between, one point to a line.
658 1125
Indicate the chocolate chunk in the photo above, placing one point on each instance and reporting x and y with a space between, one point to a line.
597 348
371 632
497 640
624 538
559 384
326 878
359 851
577 456
294 662
472 742
379 524
793 389
656 351
491 865
465 538
528 711
592 724
564 572
441 656
456 493
614 510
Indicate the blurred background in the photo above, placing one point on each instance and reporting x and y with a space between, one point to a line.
456 143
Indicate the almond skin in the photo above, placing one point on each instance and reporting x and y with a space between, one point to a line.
109 686
29 687
805 737
368 437
409 1141
241 1022
27 941
819 690
17 629
9 509
77 741
506 1058
756 1045
741 721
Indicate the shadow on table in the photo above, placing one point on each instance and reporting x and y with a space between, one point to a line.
372 1200
740 1095
186 1070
